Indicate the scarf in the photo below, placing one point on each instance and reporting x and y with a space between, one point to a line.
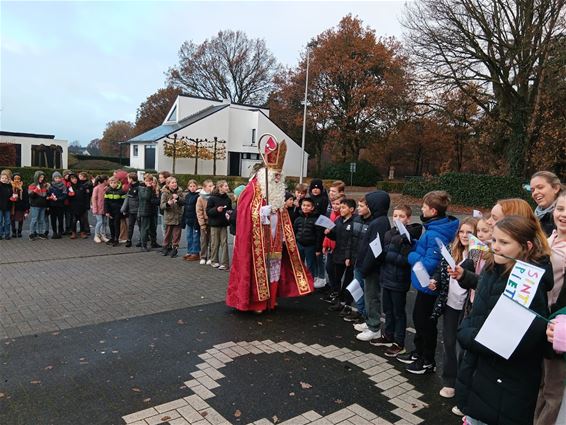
59 186
541 212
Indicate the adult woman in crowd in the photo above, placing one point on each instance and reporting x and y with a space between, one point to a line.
545 187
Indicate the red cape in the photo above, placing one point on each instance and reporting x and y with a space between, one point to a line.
248 286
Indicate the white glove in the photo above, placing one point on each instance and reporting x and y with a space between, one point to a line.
265 212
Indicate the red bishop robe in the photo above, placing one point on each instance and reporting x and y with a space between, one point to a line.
249 288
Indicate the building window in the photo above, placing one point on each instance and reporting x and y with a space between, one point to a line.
47 156
253 136
136 150
173 115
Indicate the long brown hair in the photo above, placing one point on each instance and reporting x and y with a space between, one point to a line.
456 248
523 230
521 208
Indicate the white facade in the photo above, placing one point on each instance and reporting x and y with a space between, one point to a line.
28 142
240 126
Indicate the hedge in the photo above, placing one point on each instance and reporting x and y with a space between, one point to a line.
28 172
469 189
124 160
390 186
365 173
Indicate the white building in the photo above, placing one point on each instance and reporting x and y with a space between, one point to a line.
32 150
240 126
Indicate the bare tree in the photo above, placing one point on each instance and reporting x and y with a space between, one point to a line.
227 66
493 51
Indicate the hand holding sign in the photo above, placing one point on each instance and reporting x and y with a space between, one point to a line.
444 251
421 274
402 229
324 221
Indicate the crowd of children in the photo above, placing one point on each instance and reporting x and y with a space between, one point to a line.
366 247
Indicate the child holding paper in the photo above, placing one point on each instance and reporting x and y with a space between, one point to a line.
343 254
490 389
395 280
438 225
328 246
308 235
450 304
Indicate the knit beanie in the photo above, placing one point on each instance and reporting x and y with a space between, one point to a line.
289 195
56 174
238 191
316 184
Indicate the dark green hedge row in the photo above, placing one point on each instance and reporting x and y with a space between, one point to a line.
366 174
28 172
390 186
124 161
469 189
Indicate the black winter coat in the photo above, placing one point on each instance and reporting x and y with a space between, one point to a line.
307 233
131 203
148 201
395 272
343 234
5 195
218 218
489 388
370 263
80 202
190 210
113 201
547 223
320 202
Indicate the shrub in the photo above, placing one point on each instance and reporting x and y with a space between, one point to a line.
364 175
469 189
390 186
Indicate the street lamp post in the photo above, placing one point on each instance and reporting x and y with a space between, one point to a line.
305 117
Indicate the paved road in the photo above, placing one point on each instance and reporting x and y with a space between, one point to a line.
91 334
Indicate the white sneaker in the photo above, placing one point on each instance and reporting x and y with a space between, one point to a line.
457 411
360 327
367 335
97 239
123 241
222 268
319 282
104 238
209 262
202 262
447 392
215 265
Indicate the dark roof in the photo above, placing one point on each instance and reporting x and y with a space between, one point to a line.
35 136
165 130
220 100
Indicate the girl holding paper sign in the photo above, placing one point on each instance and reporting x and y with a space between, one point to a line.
490 389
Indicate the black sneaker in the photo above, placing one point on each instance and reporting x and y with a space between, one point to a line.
166 250
115 243
395 350
330 298
42 236
345 311
33 237
155 245
420 367
337 306
174 252
128 244
14 235
353 316
408 358
382 341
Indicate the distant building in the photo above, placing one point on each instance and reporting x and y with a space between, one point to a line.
32 150
240 126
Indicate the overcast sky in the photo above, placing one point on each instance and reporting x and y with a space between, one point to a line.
69 67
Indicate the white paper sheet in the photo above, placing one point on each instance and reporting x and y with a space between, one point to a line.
355 289
505 327
477 214
402 229
376 247
422 274
523 282
446 254
325 222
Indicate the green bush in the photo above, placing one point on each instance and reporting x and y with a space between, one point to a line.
364 175
390 186
469 189
28 172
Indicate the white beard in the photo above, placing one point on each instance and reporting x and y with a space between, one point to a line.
276 190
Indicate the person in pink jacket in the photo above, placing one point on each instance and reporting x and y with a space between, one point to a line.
97 200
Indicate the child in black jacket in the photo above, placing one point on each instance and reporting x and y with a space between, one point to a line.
309 236
113 201
217 206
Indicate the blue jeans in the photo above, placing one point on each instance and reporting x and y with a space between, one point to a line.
320 269
193 240
100 226
360 304
308 255
5 223
38 224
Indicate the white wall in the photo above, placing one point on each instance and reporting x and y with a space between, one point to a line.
137 161
27 143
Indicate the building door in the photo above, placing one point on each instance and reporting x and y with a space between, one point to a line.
234 164
149 157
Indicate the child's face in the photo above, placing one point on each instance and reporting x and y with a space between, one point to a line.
4 178
496 215
428 211
345 210
74 180
83 177
289 202
161 178
316 191
209 187
307 207
149 182
560 215
333 193
57 179
299 194
173 184
130 180
464 234
363 209
192 187
401 216
336 206
41 178
224 188
113 184
484 231
504 244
